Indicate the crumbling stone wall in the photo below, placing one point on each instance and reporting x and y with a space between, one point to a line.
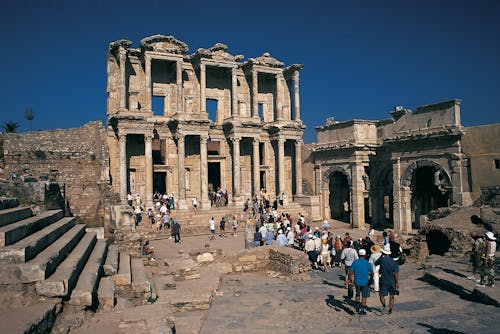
77 158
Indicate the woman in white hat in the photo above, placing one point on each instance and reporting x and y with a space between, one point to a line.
488 272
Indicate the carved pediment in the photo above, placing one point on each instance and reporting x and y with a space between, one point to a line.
217 52
161 43
266 60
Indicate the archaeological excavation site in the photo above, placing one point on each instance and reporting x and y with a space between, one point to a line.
205 135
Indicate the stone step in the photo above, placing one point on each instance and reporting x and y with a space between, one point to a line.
11 233
86 289
106 294
140 282
111 265
37 318
46 262
458 284
11 215
7 203
123 277
27 248
62 281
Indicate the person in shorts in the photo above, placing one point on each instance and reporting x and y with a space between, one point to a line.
361 269
211 225
389 278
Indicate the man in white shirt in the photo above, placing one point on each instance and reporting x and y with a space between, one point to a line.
211 225
290 237
349 255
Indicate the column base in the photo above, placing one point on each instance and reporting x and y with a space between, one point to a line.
181 205
206 205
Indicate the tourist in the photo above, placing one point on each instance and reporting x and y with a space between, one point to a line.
281 199
488 258
395 247
211 226
389 278
325 254
257 237
172 201
129 199
263 232
138 199
151 216
176 230
347 239
348 255
361 270
166 222
309 248
158 223
475 256
269 237
138 215
337 247
222 227
290 237
386 237
235 226
194 201
367 244
281 239
376 254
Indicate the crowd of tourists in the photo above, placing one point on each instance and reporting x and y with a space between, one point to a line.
482 256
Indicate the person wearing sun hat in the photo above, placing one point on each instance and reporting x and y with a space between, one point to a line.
488 272
389 278
376 254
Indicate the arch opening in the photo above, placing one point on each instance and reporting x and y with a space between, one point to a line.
437 242
340 204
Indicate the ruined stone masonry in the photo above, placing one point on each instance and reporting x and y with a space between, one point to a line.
185 124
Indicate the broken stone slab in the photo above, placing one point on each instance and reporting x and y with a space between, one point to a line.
214 251
111 265
106 294
86 287
140 282
123 277
205 257
184 269
182 304
38 318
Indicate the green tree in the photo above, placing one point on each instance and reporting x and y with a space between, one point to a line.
10 127
29 114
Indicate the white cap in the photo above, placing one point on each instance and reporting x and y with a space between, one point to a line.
288 228
362 252
280 231
386 249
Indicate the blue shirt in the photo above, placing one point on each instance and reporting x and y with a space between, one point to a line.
281 240
387 269
360 269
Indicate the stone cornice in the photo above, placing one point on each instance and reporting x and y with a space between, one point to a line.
162 43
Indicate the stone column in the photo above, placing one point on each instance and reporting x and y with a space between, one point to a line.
236 169
122 142
401 202
181 202
296 95
279 106
234 97
203 84
255 94
123 86
298 167
459 181
205 202
148 155
281 165
180 99
256 166
357 194
147 74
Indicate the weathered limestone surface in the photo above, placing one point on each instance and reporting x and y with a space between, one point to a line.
184 269
106 294
124 275
111 265
140 282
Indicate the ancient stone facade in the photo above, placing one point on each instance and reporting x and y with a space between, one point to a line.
186 123
392 172
76 158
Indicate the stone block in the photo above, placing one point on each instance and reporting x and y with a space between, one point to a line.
205 257
250 258
106 294
123 277
111 265
184 269
223 267
140 283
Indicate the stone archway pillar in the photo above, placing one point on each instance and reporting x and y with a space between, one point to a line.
122 143
148 155
402 200
459 181
182 204
357 195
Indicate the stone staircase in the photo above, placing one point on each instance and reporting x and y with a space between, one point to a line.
196 224
54 257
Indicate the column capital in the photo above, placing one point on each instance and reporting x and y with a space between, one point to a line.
296 75
281 140
148 137
256 140
235 139
121 137
299 141
204 138
180 137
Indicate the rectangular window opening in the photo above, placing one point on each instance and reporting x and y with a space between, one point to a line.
260 110
212 106
497 163
158 104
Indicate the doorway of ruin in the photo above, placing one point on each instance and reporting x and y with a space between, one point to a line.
339 199
428 191
437 242
159 182
214 175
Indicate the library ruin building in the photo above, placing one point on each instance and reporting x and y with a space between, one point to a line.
190 124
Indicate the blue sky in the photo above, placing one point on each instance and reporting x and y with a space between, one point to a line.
361 58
